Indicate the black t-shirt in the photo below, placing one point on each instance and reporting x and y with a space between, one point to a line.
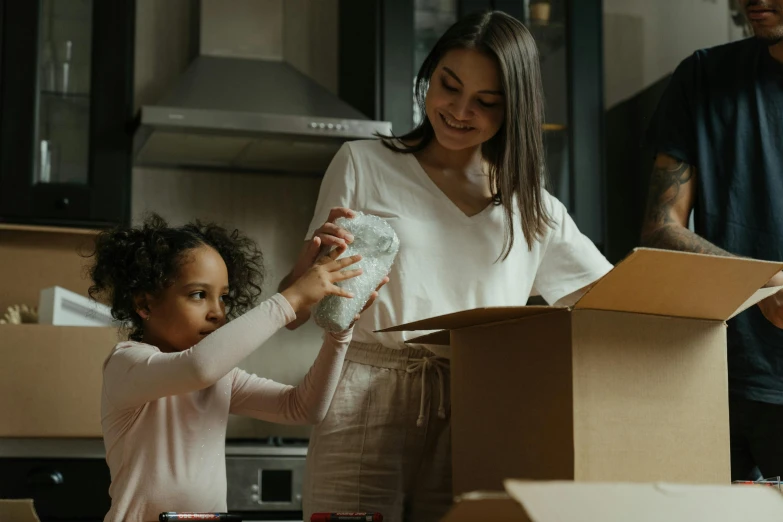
723 113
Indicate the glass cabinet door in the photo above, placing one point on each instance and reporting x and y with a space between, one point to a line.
546 21
431 18
63 94
66 124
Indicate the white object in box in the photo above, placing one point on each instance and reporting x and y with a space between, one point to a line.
60 307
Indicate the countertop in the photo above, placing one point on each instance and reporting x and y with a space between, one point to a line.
55 448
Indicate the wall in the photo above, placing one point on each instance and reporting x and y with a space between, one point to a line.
275 210
644 40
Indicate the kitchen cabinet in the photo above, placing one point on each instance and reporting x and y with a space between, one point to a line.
383 43
62 489
66 94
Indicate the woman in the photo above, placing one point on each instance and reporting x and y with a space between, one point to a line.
465 193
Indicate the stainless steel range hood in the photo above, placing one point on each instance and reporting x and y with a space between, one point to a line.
248 114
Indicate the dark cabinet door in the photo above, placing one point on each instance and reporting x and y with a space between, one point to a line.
61 489
67 100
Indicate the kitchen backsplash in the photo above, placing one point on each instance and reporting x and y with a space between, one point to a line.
275 210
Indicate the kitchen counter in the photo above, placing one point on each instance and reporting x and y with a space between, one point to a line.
55 448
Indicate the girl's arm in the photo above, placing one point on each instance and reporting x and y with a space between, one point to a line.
137 373
307 403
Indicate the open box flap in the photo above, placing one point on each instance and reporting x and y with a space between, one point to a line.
474 317
624 502
679 284
758 296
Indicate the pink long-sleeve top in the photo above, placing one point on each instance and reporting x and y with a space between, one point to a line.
164 415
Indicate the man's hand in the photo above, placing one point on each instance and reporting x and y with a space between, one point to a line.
772 306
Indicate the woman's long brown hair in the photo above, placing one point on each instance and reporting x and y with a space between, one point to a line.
516 153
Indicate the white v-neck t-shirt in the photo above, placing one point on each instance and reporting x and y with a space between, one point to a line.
448 261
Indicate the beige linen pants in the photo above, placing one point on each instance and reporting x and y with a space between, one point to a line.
385 443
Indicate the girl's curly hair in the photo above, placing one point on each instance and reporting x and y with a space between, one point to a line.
133 261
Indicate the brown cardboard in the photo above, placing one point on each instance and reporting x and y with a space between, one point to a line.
679 284
50 379
629 386
21 510
607 502
33 258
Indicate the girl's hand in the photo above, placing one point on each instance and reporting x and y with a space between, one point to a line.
319 280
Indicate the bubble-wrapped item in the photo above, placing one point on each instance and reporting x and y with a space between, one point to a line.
378 244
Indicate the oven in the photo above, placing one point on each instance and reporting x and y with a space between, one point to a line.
265 479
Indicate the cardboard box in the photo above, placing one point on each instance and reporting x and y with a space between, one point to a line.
18 511
50 379
580 502
33 258
628 385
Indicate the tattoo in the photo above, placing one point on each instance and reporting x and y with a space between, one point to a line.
677 237
665 186
662 231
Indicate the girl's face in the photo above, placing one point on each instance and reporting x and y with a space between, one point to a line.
192 307
465 102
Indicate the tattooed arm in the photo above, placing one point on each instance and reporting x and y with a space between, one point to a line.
672 192
670 201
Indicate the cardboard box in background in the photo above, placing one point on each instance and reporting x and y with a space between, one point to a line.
580 502
33 258
628 386
50 379
50 376
18 511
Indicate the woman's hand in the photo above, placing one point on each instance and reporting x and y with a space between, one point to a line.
319 280
370 301
330 234
325 237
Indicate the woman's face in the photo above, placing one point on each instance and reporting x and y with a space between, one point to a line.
465 101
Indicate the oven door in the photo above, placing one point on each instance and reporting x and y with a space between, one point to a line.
265 487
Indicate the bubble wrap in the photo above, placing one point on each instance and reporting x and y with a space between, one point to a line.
378 244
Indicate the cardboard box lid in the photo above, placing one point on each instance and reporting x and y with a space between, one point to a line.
14 510
581 501
647 281
681 284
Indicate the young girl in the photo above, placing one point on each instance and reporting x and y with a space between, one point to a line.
465 193
167 392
